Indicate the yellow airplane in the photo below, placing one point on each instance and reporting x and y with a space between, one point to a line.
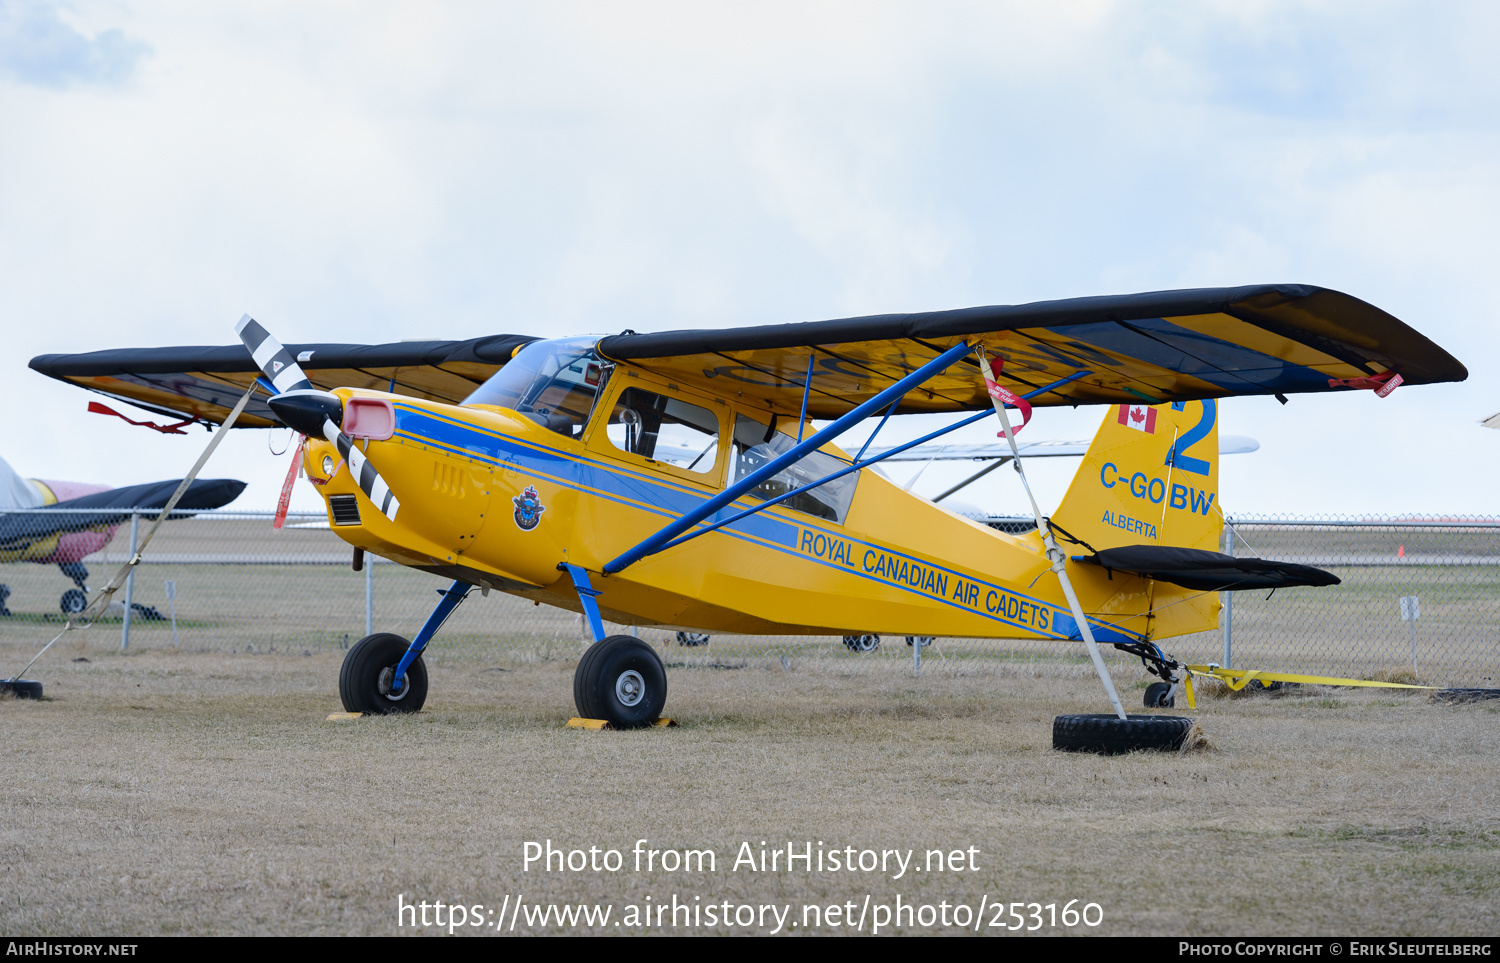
677 480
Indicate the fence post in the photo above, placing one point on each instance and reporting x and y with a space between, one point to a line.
1226 616
135 528
171 586
369 596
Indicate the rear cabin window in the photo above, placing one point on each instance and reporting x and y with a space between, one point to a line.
664 429
756 443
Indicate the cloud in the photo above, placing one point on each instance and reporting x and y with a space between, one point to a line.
38 48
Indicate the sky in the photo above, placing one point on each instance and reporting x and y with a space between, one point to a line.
370 172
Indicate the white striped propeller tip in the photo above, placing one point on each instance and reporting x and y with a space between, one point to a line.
273 360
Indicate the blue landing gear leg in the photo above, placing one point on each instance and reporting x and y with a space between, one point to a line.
452 595
620 679
383 674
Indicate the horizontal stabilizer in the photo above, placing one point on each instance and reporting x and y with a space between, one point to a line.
1206 571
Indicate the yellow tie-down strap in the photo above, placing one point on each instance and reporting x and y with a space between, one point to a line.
1237 679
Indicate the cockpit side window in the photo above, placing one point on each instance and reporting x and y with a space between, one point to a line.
756 443
664 429
554 383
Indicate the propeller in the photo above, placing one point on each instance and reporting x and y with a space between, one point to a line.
312 411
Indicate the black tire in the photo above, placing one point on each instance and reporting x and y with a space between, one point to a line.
1159 696
73 601
923 640
620 679
4 594
1110 735
365 679
692 638
147 613
862 643
22 689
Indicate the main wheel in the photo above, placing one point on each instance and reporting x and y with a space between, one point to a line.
74 601
862 643
620 679
365 681
1110 735
692 638
1159 696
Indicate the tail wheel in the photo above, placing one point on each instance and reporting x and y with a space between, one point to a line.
620 679
862 643
692 638
368 675
1110 735
923 640
1159 696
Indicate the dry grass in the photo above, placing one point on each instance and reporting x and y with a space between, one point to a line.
204 793
1399 676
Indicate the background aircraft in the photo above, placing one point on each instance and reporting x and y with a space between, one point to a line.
66 538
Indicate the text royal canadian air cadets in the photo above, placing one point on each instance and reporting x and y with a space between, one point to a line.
806 856
927 580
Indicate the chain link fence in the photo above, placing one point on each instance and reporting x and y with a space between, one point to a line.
227 581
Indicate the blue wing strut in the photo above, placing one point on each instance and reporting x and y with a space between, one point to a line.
678 531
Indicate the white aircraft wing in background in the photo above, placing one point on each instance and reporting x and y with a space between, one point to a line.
997 454
1228 445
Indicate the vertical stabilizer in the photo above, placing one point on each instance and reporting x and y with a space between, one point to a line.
1151 477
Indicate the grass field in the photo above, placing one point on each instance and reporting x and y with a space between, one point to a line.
204 793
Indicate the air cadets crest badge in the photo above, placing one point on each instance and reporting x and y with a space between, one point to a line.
529 509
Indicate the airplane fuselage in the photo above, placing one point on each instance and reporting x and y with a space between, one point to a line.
496 499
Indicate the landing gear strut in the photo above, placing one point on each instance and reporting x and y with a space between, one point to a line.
383 674
75 600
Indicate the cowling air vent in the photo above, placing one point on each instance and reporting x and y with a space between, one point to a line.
345 509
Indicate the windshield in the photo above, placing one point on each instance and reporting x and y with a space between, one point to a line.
554 383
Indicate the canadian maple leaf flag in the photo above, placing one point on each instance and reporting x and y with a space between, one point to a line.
1139 417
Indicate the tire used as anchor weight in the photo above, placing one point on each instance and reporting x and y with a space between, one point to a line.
369 668
21 688
620 679
1110 735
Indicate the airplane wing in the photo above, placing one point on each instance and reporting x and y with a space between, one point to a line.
988 451
1155 347
204 383
19 529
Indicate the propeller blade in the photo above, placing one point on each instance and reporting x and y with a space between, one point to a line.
312 411
274 361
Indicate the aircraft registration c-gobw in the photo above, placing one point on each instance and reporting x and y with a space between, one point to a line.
676 479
